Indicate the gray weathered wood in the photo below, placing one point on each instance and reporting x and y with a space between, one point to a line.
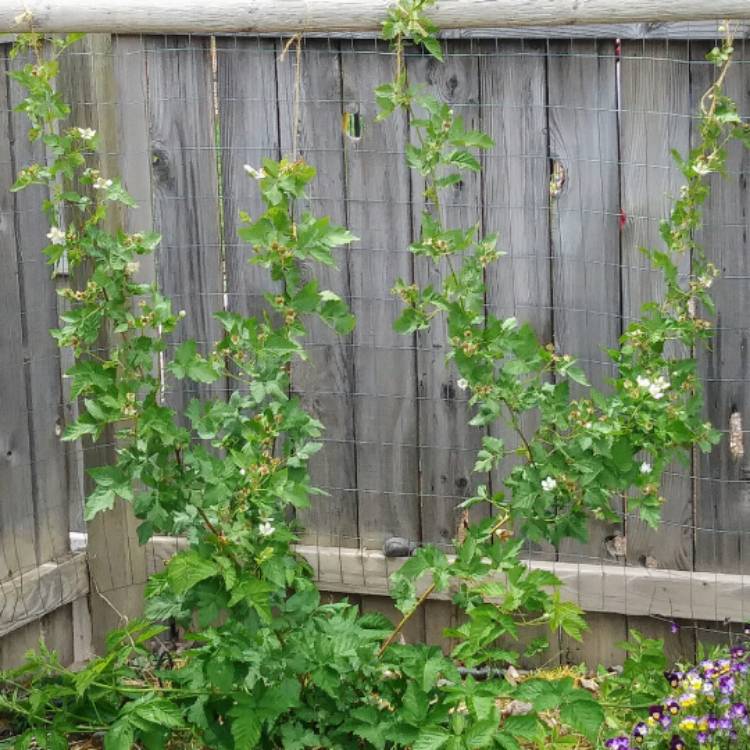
597 588
185 194
384 362
448 445
92 81
18 553
513 77
655 118
722 540
249 132
584 243
584 204
30 596
325 381
164 16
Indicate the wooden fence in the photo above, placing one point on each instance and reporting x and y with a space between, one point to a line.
578 180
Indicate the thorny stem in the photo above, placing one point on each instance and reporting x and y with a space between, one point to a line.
427 593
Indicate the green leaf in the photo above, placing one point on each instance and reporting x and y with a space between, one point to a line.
246 727
430 738
186 569
188 363
434 47
120 736
585 716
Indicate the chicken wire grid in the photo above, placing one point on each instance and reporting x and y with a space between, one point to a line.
579 178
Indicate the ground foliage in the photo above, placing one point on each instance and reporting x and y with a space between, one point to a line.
266 664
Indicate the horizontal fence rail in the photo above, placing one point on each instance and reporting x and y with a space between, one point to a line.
260 16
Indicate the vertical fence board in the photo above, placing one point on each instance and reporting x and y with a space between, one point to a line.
513 77
655 117
584 230
185 194
249 132
722 541
18 542
655 109
326 380
448 445
585 247
379 214
117 563
385 410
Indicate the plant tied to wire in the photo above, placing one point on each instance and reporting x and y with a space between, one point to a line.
267 665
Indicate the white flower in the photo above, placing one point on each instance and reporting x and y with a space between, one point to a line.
132 267
706 280
101 184
266 528
643 382
257 174
182 314
86 133
242 472
56 236
658 386
549 484
462 383
645 467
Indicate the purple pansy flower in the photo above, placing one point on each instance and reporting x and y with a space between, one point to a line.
656 712
738 711
677 743
674 678
618 743
726 684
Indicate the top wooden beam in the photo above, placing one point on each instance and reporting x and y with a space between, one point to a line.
290 16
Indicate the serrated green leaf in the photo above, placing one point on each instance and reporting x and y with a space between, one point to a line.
186 569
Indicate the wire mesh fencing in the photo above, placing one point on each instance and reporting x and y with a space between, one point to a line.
579 178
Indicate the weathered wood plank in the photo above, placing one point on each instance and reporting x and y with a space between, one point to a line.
584 204
249 132
32 595
584 240
513 79
655 118
185 194
722 540
325 381
378 196
18 543
160 16
94 80
41 358
599 644
603 589
448 445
